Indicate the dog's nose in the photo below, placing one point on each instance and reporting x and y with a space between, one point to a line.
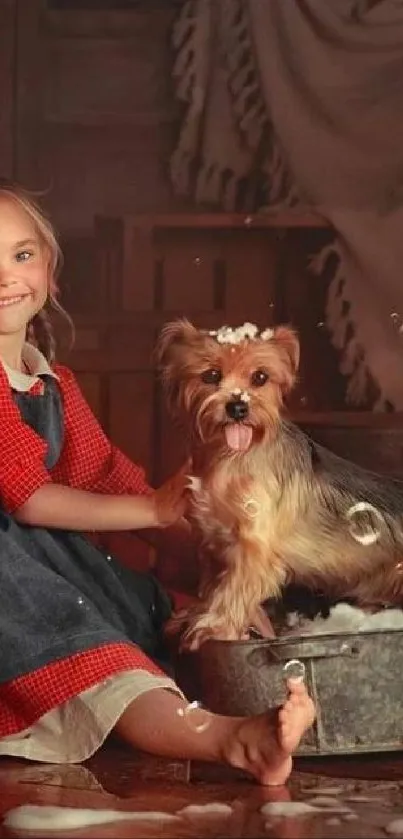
237 409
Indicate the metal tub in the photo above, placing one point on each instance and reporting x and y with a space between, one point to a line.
356 681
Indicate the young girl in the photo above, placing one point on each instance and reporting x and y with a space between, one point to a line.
81 636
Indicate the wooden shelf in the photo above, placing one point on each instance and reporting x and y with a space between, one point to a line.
348 419
282 220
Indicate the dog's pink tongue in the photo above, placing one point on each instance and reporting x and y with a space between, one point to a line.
238 436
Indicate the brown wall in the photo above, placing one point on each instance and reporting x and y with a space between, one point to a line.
88 117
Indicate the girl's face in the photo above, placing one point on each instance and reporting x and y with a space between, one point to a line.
23 269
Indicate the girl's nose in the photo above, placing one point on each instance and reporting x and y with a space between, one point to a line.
6 278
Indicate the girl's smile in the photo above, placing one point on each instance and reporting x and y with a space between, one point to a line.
11 301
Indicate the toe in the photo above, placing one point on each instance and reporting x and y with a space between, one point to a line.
296 687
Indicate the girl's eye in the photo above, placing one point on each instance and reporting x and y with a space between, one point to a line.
212 376
23 256
259 378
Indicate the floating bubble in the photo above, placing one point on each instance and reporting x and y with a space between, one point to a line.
197 261
365 523
251 508
196 717
295 670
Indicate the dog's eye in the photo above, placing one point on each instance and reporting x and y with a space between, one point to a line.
212 376
259 378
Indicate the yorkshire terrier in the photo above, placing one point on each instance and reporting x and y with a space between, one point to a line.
270 506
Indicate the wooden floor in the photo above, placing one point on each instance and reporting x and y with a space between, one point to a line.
353 798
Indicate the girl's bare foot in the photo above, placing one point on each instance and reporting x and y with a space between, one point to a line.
264 745
158 721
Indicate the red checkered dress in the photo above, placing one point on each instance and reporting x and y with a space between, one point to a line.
89 462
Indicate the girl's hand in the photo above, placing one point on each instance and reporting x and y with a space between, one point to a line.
171 498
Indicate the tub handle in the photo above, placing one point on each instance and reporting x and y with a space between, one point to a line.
273 654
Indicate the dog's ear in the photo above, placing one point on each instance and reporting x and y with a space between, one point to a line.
287 340
173 336
170 355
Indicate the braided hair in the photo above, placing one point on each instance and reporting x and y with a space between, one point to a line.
40 333
40 329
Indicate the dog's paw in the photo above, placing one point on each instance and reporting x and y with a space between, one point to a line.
205 628
189 628
261 624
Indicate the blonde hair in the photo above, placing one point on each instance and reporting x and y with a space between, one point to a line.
40 329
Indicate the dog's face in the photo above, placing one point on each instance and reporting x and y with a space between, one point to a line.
226 386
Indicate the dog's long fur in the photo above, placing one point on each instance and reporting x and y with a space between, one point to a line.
278 512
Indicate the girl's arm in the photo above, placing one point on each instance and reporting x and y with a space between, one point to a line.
90 461
54 505
94 486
